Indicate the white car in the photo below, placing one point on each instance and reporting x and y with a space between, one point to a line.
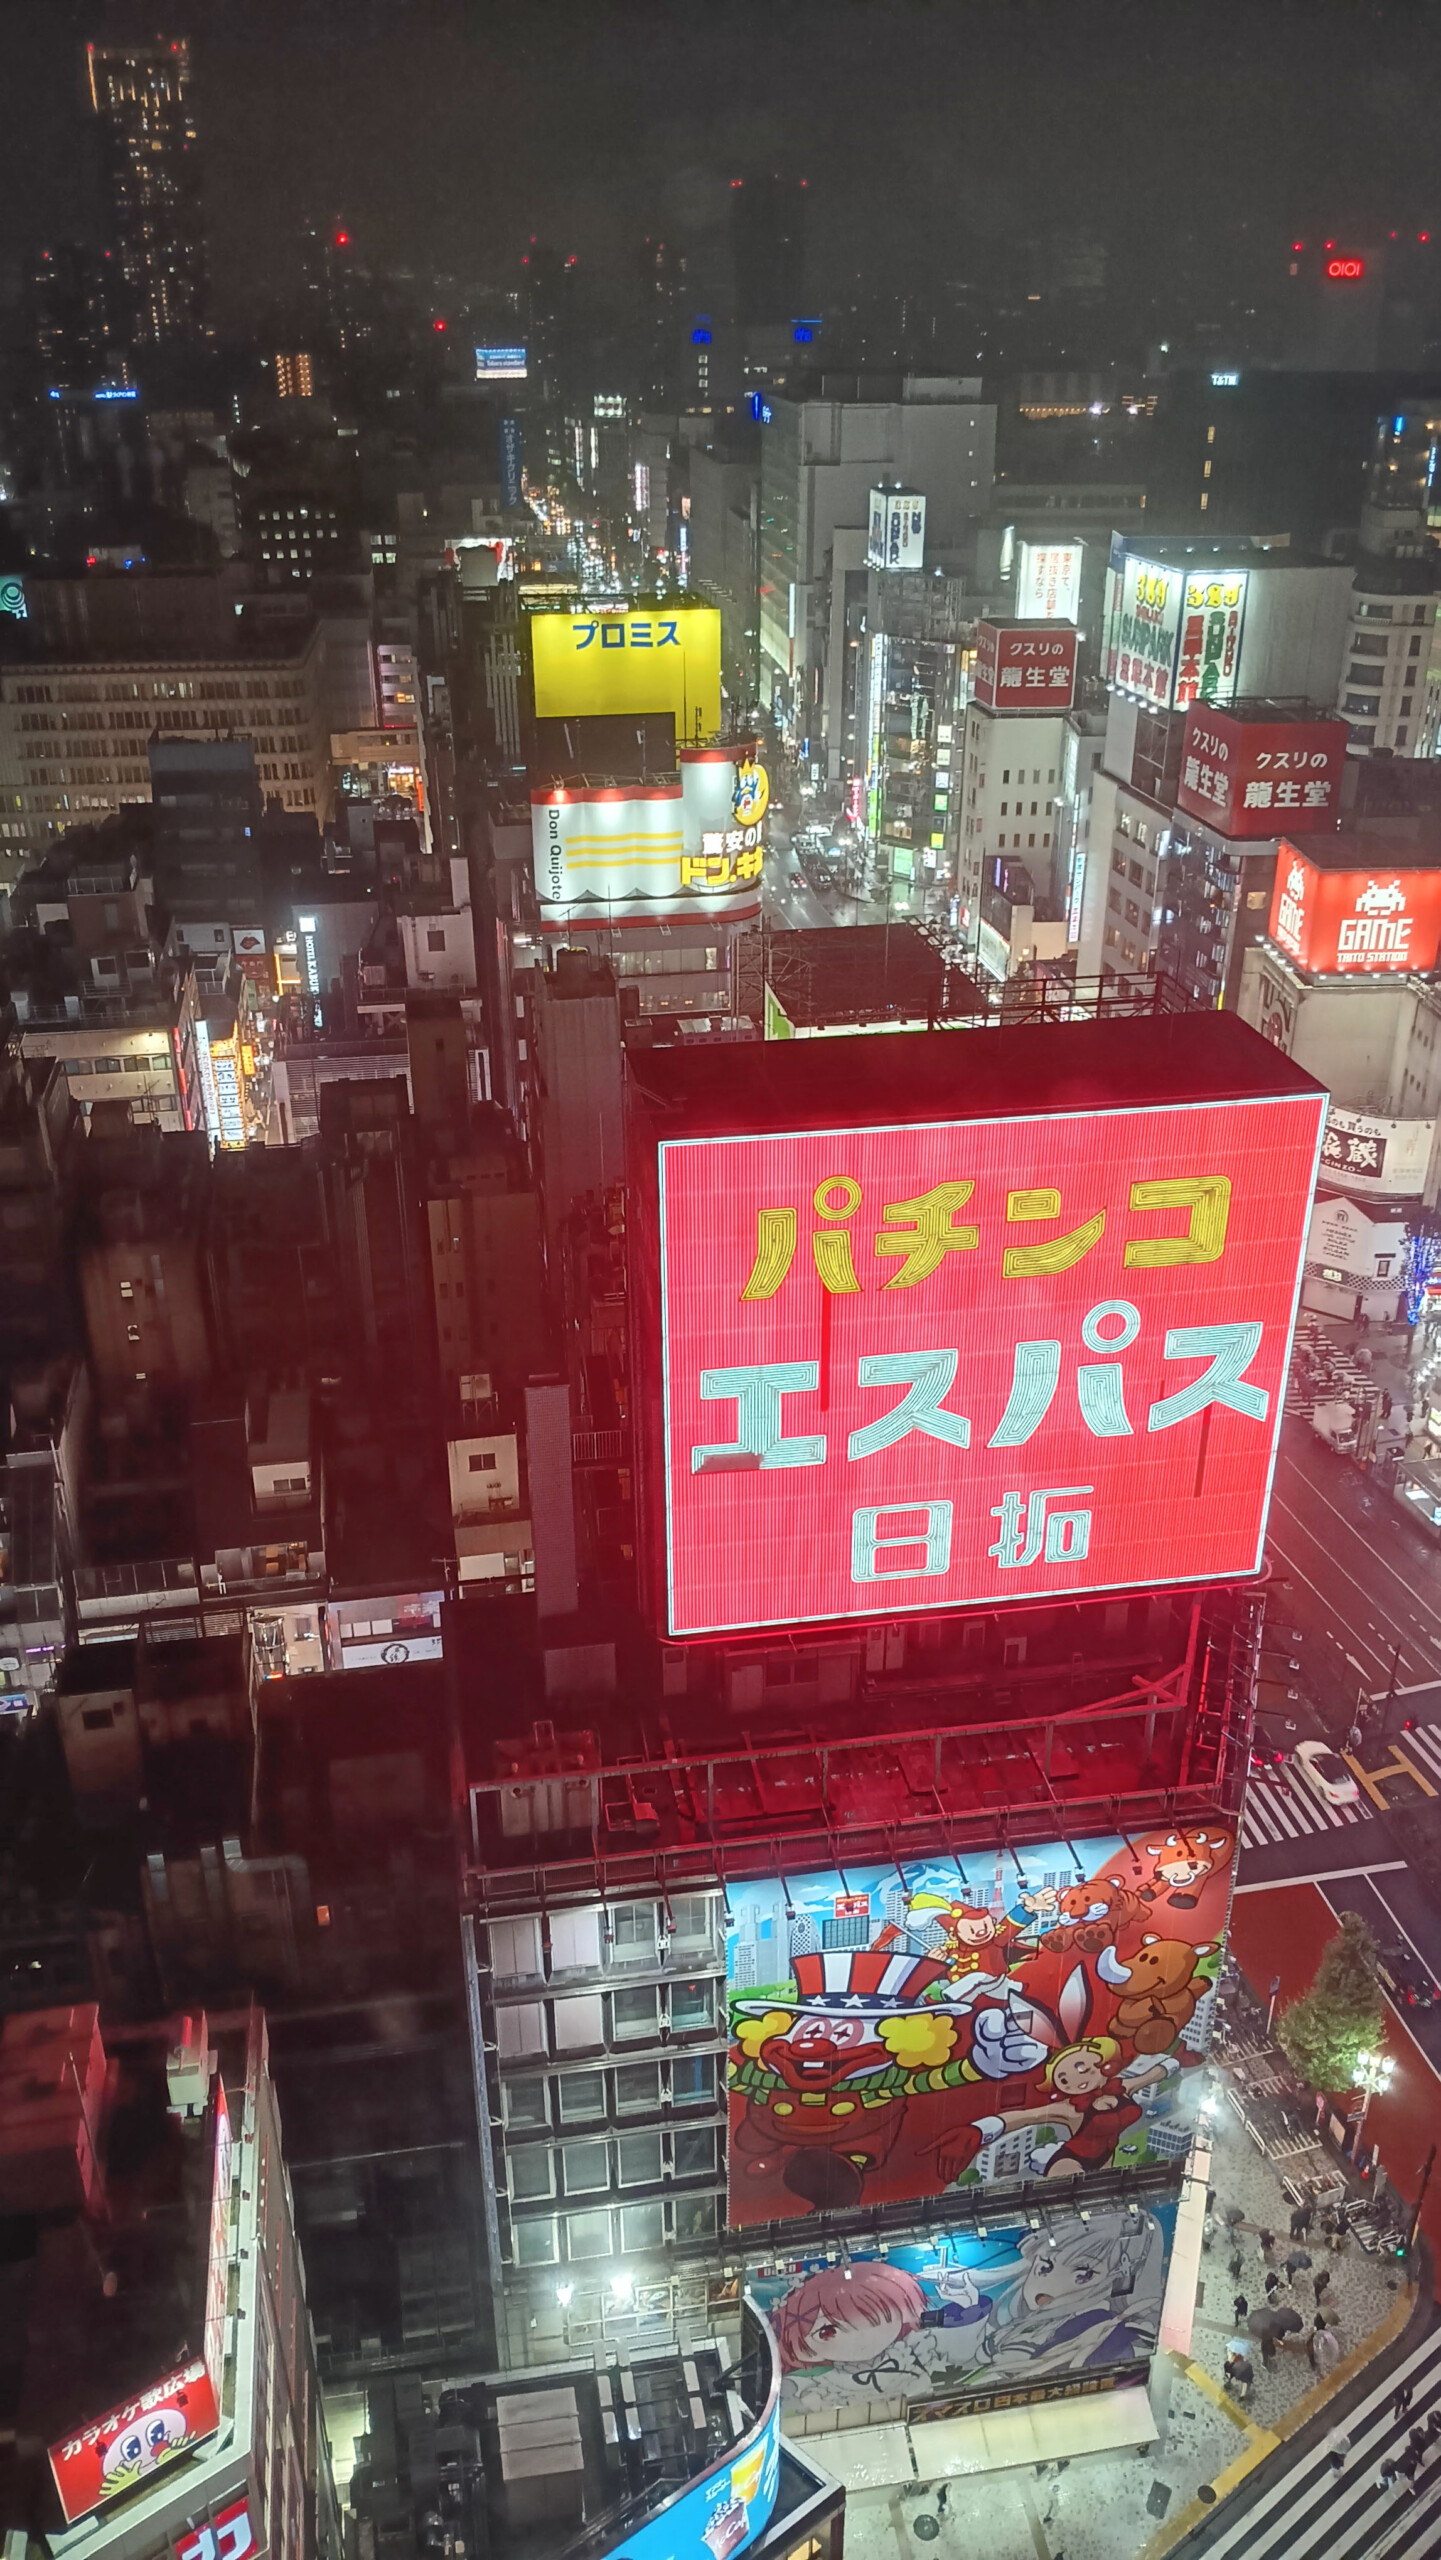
1324 1773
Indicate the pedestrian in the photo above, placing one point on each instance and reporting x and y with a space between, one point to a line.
1388 2471
1233 2217
943 2498
1416 2442
1402 2400
1233 2265
1409 2464
1319 2282
1301 2221
1273 2285
1267 2240
1433 2425
1268 2350
1338 2445
1326 2347
1240 2306
1208 2228
1296 2259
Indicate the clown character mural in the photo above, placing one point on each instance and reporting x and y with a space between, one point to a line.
873 2336
895 2031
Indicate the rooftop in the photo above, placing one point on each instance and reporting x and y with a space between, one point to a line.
865 973
1094 1729
1018 1069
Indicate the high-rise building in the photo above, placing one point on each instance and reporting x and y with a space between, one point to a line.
294 375
820 460
768 247
75 297
141 93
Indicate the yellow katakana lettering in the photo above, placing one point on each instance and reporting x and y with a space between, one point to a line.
1041 1261
933 1232
1207 1196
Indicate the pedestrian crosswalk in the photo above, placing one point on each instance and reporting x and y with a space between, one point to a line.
1280 1806
1314 2510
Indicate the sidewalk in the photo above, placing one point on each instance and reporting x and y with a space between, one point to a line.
1138 2505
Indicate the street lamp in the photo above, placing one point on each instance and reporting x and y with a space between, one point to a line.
1373 2075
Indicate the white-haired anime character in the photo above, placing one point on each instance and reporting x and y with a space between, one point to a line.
1089 2294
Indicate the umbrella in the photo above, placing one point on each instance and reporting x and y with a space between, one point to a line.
1271 2324
1287 2321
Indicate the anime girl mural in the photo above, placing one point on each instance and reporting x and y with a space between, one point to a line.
1088 2297
1082 2297
857 2333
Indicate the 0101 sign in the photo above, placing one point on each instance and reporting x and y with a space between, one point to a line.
971 1361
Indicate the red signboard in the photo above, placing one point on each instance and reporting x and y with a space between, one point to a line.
1250 778
1361 922
1345 270
228 2536
1024 666
129 2444
974 1359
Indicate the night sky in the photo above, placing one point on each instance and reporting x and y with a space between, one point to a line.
446 132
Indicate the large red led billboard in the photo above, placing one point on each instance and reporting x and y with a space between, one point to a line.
1362 922
961 1360
1254 778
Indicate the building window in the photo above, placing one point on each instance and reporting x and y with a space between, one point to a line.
587 2235
435 938
534 2242
581 2095
635 2014
695 2152
691 1920
520 2030
693 2080
642 2226
633 1933
637 2087
585 2167
692 2007
525 2102
695 2217
638 2160
532 2173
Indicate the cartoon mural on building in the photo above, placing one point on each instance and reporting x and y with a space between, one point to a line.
930 2323
899 2030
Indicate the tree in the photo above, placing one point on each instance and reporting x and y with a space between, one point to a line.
1342 2014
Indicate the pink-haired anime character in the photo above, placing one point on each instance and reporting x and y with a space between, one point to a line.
852 2333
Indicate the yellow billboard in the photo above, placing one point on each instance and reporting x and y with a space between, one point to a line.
588 664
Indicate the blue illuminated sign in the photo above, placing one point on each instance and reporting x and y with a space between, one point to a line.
700 337
512 449
117 395
722 2512
760 409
